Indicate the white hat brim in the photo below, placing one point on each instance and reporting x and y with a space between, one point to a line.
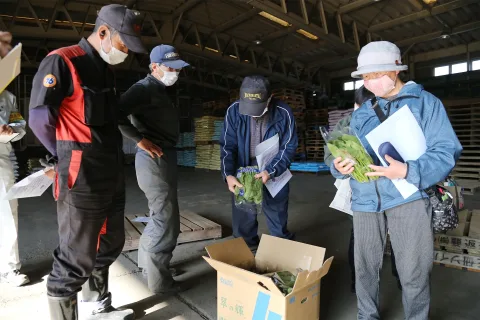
378 68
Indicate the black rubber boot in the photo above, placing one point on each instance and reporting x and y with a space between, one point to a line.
96 303
63 308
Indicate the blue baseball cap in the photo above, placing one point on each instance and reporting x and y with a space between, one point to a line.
167 55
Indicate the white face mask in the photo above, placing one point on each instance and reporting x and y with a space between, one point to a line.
266 109
115 56
169 78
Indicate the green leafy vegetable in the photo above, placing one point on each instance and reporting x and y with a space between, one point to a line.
349 147
252 190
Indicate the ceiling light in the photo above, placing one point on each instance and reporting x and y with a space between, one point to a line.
257 41
211 49
307 34
234 57
445 35
430 1
274 19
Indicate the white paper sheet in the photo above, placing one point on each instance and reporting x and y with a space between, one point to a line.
10 66
32 186
402 130
265 152
6 138
343 197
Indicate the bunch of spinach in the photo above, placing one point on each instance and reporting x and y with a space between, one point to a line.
252 191
349 147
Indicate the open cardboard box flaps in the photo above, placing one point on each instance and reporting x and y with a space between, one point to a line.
233 257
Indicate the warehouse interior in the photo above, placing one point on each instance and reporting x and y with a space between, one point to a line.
307 49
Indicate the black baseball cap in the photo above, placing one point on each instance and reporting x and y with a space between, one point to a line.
126 22
167 55
254 95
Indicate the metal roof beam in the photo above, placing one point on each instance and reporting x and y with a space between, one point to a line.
184 8
70 35
237 20
439 9
298 22
435 35
355 5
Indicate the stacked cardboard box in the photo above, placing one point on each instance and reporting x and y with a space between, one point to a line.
208 157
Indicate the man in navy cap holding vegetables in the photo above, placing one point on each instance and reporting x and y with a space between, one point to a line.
73 112
254 118
154 126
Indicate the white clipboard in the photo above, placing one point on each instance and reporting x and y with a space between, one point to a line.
10 66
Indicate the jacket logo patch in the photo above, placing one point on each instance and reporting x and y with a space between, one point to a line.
49 81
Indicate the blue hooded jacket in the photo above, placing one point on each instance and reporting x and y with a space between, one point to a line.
235 140
443 149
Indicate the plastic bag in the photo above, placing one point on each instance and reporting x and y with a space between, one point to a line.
250 197
347 146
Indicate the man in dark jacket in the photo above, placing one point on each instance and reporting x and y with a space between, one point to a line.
154 127
256 117
73 112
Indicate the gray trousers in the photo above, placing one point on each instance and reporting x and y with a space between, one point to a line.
158 180
411 235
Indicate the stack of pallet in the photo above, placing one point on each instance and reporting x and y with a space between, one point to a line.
316 118
465 118
296 100
460 248
334 116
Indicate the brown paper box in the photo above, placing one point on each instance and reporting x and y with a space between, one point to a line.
243 294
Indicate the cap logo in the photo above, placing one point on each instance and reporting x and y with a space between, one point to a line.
137 28
252 96
172 55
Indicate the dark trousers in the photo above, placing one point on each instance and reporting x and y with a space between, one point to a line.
245 224
91 202
351 259
158 180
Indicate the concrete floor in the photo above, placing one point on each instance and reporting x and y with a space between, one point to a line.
453 291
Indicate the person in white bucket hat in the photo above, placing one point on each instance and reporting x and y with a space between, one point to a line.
378 205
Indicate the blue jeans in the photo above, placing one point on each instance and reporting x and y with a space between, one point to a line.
245 224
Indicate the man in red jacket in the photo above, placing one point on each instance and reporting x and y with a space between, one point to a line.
73 113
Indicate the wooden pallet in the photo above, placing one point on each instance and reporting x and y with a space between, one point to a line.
457 261
193 227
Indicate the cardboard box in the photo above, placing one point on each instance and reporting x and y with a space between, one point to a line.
461 230
475 225
243 294
464 215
